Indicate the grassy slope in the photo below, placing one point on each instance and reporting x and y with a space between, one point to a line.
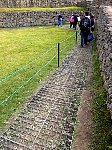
17 48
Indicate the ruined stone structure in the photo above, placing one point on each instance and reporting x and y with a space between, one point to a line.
104 44
36 3
103 13
33 18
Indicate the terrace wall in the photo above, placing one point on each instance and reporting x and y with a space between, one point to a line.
104 44
33 18
36 3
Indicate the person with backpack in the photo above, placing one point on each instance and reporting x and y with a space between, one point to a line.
85 26
71 20
75 20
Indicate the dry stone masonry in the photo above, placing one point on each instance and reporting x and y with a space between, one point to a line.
33 18
36 3
104 44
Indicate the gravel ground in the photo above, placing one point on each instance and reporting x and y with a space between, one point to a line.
48 119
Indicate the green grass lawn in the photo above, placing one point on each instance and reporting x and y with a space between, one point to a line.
41 9
27 56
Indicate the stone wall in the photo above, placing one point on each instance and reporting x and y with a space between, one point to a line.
104 44
34 18
106 2
36 3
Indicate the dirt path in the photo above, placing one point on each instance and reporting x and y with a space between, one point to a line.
83 132
83 137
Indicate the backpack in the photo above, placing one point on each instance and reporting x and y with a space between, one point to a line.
90 37
85 24
72 19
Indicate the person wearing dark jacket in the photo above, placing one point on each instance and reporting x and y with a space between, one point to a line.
85 26
75 21
92 23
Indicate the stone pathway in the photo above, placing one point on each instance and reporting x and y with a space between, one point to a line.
48 119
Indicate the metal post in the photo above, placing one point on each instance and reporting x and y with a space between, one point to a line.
76 35
58 52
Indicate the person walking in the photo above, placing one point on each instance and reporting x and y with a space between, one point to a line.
60 20
92 22
71 20
75 20
84 25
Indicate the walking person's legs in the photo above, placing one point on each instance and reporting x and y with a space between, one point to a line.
58 23
85 38
75 26
70 24
61 23
82 39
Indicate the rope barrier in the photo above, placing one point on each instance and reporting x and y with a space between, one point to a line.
27 80
67 38
25 66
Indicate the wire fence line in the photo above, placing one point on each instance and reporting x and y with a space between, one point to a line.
64 45
31 61
24 83
25 66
